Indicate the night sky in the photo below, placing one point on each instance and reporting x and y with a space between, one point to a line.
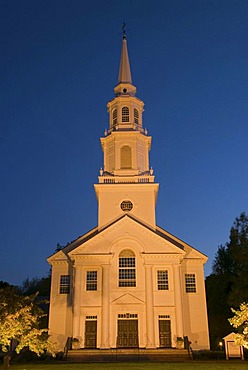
59 65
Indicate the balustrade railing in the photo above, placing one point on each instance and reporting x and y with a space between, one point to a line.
125 180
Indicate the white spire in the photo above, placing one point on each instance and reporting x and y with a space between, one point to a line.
124 71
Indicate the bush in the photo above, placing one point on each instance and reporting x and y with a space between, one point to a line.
209 355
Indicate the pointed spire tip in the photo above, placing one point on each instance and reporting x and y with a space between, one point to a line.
124 71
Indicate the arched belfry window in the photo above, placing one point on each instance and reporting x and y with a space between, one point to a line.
127 268
136 116
126 157
114 116
125 114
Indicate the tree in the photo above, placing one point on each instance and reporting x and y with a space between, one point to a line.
40 285
19 321
240 321
227 286
231 262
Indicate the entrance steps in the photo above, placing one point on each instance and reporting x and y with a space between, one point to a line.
132 354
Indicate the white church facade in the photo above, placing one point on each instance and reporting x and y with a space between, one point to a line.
127 283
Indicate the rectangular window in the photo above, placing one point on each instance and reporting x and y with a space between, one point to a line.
91 280
127 273
163 283
190 283
127 316
64 287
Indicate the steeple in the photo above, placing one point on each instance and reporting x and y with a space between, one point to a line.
126 175
125 86
124 71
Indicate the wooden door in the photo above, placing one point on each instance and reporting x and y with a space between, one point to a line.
127 334
164 333
90 333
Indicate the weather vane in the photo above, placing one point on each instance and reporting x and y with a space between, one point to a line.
123 29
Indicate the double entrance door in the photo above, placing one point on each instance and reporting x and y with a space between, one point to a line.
127 334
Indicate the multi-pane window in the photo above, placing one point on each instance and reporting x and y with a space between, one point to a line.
114 117
64 287
163 282
127 316
91 280
127 270
125 114
190 283
126 205
136 116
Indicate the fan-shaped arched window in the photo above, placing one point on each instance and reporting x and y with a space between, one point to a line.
127 268
114 117
126 157
136 116
125 114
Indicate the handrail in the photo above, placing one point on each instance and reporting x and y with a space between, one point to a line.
67 347
188 347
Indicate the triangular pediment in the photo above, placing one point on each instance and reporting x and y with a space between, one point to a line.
153 241
60 256
128 228
127 299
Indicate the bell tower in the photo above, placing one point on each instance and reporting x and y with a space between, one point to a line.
126 181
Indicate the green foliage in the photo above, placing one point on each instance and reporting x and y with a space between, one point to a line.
240 321
227 286
20 318
231 262
217 290
40 285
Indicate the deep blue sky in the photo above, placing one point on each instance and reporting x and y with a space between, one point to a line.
59 64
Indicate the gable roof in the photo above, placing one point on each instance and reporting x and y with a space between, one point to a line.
96 231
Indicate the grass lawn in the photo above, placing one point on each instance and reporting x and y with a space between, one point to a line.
196 365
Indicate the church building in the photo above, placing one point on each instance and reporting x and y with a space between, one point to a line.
127 283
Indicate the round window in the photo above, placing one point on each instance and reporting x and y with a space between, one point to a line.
126 205
124 90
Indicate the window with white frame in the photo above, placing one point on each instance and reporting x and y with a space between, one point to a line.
163 282
190 283
125 114
65 284
91 280
127 269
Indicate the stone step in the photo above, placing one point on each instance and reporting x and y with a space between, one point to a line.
122 355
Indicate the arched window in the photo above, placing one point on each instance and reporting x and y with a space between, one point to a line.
127 268
136 116
114 121
125 114
126 157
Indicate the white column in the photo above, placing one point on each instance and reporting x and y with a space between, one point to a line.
105 306
76 301
149 307
178 300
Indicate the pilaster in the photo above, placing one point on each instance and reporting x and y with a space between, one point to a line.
149 307
178 300
105 307
76 301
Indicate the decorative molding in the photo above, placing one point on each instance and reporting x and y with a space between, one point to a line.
102 257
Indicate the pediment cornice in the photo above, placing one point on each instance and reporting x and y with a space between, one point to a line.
83 257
